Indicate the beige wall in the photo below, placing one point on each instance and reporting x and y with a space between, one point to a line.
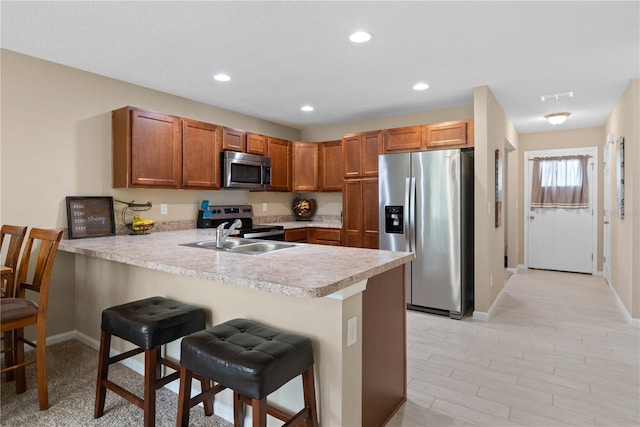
492 130
575 138
625 234
56 142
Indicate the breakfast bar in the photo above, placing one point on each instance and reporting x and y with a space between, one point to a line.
350 302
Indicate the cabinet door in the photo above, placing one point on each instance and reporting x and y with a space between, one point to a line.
256 144
300 235
403 139
371 145
155 150
352 156
352 212
330 170
370 218
200 155
305 166
448 134
280 152
234 140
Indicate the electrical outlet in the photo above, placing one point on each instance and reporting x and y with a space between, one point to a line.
265 207
164 210
352 331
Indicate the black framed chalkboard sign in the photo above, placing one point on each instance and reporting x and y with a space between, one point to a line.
90 217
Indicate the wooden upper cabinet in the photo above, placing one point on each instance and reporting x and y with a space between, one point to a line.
360 154
330 170
404 139
450 134
234 140
256 144
201 144
305 166
279 150
147 149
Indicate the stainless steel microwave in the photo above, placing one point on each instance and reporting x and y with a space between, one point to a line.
245 171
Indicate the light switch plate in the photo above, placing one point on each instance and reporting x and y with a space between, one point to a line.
163 209
352 331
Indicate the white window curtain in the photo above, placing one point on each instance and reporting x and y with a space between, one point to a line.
560 182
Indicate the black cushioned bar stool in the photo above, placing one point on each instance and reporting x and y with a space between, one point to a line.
147 323
252 360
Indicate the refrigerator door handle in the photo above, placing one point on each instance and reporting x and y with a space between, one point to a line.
407 208
411 206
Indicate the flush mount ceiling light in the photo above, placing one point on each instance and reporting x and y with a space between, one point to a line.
557 118
306 108
360 37
420 86
221 77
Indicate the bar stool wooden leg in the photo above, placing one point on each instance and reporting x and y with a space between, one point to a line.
238 410
259 408
151 367
103 369
309 390
21 381
184 398
41 363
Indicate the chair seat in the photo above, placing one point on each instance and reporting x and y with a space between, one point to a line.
17 308
152 322
252 359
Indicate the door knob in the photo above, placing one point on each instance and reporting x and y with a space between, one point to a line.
531 217
606 222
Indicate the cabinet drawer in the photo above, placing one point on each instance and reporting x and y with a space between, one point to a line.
296 235
322 235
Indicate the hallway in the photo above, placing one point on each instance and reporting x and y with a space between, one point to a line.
557 351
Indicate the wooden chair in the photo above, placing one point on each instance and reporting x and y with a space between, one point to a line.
19 312
15 236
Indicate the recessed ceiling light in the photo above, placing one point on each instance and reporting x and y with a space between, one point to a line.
221 77
360 37
420 86
307 108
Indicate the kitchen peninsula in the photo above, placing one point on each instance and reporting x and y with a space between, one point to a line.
313 290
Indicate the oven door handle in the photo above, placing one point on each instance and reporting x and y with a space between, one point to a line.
264 234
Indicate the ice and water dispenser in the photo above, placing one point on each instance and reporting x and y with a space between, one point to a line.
393 219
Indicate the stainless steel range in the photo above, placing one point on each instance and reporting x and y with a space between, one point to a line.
213 216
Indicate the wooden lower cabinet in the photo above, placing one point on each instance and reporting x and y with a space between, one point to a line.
325 236
384 348
298 235
360 211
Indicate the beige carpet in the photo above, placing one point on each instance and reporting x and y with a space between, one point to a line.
72 370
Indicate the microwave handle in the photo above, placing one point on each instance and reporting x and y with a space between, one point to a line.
266 175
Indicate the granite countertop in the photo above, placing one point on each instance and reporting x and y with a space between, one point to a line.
286 271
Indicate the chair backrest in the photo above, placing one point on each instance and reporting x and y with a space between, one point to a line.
16 237
49 240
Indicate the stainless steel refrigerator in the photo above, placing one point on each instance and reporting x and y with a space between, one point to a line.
426 206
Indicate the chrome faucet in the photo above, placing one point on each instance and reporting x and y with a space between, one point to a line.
221 234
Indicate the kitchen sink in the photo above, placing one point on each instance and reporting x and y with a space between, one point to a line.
243 246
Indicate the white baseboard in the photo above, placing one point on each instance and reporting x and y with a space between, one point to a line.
220 409
630 320
486 315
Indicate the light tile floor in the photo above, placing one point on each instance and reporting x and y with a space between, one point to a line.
557 351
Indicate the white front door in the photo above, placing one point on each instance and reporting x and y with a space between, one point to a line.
561 239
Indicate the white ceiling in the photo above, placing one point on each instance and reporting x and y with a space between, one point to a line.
282 55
